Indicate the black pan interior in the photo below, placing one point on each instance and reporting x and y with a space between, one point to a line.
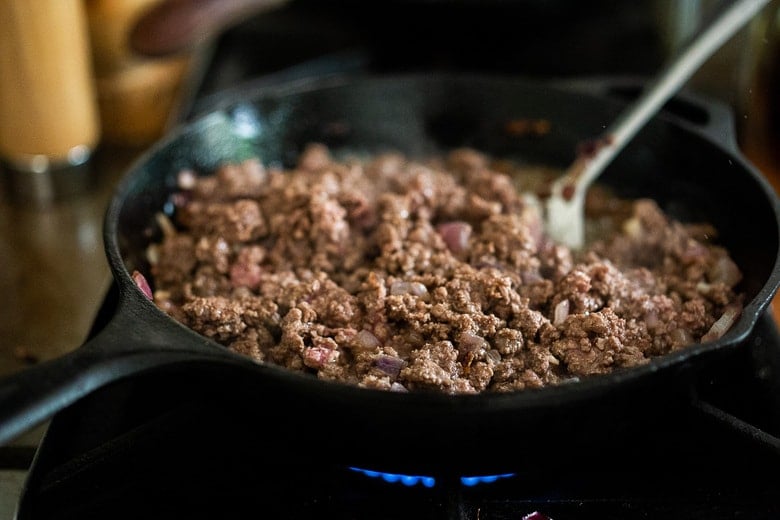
692 177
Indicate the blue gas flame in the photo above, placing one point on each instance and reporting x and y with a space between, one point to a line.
427 481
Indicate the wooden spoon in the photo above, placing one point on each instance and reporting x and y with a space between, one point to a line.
565 208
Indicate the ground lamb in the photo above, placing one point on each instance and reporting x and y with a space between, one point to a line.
436 275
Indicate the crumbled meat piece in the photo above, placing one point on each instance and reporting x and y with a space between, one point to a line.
407 275
217 317
235 221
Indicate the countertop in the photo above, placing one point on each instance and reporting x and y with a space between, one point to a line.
54 271
53 277
54 274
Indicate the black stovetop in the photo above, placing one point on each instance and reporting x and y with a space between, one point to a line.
161 445
164 446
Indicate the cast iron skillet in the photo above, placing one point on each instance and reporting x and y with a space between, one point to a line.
690 173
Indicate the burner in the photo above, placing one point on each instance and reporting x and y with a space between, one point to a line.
428 481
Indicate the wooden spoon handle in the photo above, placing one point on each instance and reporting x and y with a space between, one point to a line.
174 26
700 47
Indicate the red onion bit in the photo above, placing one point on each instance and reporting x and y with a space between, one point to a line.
723 324
143 285
390 365
455 234
536 515
246 275
317 357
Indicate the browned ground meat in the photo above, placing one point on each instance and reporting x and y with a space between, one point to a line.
403 275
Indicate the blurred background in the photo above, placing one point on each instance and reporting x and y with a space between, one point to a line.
87 85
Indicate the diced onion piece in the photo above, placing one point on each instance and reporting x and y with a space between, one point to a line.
186 179
651 318
390 365
246 275
681 337
365 340
317 357
531 277
165 224
398 387
455 235
470 342
143 285
153 254
692 252
726 271
561 312
536 515
723 324
632 227
161 295
413 288
493 356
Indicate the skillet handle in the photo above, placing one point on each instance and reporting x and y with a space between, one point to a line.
35 394
703 114
126 340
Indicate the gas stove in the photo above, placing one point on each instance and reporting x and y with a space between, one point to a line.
161 445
